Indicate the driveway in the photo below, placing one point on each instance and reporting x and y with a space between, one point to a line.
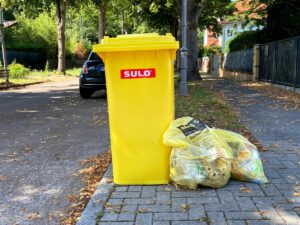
45 130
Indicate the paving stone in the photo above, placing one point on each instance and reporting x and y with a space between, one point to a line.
268 212
163 197
109 217
232 185
277 181
121 188
287 192
148 192
125 195
116 223
226 196
115 202
202 200
171 216
186 194
236 222
246 204
223 207
135 188
154 208
188 223
216 218
242 215
271 190
271 174
290 217
113 209
252 186
124 216
287 207
260 222
196 212
268 200
139 201
161 222
252 193
165 188
129 208
144 219
177 204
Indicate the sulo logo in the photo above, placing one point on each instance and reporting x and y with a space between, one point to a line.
138 73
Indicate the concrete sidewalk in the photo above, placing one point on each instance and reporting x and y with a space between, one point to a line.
238 203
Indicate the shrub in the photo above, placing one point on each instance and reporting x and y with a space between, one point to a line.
80 51
209 51
17 70
245 40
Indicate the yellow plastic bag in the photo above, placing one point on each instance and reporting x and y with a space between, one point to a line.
247 165
198 156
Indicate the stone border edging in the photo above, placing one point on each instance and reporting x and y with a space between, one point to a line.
98 200
17 86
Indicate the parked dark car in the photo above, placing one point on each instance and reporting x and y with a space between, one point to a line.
92 76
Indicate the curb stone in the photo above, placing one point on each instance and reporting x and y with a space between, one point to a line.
18 86
98 200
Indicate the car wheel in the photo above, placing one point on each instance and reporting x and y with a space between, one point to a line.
85 93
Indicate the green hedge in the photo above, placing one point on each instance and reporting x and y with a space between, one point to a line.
246 40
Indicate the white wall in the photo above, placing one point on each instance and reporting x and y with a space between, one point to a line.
229 31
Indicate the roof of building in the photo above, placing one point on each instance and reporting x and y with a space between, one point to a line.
211 39
243 6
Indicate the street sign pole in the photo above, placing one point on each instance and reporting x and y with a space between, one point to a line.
184 51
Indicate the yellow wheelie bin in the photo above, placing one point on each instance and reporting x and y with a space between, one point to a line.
139 72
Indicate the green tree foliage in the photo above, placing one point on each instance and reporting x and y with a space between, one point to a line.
160 15
164 15
280 18
283 19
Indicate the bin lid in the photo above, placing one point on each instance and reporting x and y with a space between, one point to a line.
136 42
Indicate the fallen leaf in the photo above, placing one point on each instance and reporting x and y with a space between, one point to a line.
246 190
142 210
206 219
33 216
185 207
93 170
2 178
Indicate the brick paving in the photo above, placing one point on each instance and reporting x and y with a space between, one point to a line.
238 203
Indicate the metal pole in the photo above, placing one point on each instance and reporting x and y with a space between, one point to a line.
3 43
183 83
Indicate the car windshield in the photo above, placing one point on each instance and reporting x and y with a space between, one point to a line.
94 56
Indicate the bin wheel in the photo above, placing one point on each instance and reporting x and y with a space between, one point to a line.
84 93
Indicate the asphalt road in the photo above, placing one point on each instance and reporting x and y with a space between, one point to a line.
45 130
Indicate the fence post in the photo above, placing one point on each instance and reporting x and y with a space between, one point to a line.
256 52
296 63
221 69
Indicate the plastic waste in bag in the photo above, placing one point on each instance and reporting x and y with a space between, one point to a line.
246 165
209 156
198 155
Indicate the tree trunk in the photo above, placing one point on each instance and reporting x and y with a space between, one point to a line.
61 7
194 10
101 20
